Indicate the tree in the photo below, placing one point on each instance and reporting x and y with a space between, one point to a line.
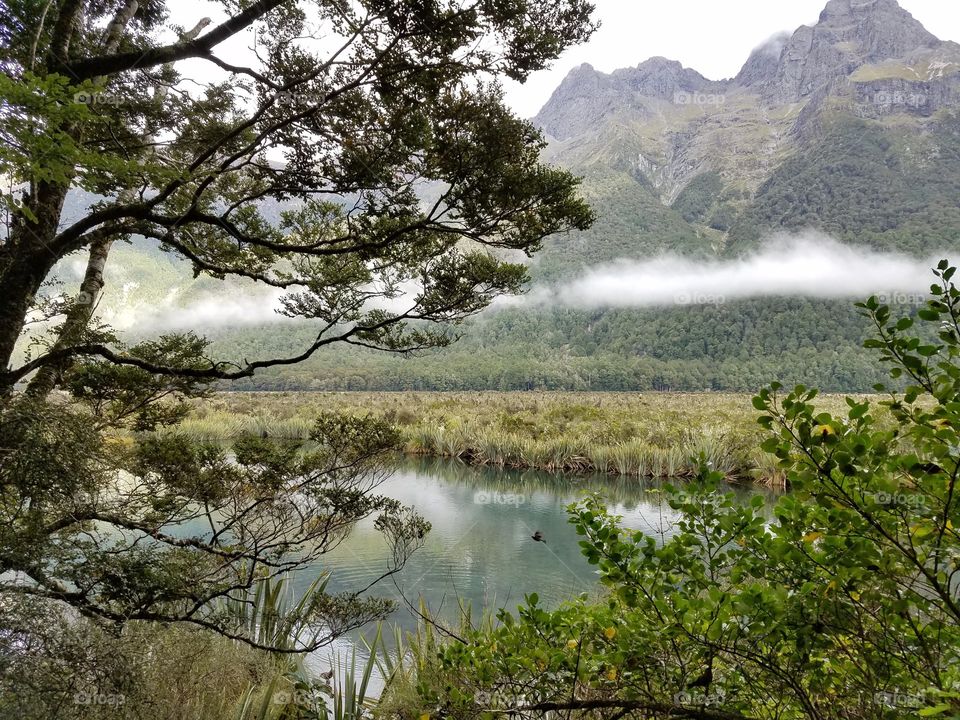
358 156
839 601
346 115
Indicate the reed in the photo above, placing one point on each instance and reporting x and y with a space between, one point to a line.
654 435
269 614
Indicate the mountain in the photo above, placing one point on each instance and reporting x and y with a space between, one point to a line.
849 127
848 36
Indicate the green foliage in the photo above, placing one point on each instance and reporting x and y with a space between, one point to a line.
194 524
78 669
36 146
72 668
129 396
842 604
698 197
867 184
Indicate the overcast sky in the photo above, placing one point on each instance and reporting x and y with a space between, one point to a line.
714 37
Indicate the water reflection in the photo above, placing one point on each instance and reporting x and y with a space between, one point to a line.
480 550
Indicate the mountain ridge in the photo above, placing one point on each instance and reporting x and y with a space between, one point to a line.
867 75
848 34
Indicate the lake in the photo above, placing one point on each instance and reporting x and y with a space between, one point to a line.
480 550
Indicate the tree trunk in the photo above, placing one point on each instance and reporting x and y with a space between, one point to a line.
78 317
29 259
80 313
21 280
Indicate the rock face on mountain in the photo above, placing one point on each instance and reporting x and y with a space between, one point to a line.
850 33
854 42
662 78
587 96
763 64
865 90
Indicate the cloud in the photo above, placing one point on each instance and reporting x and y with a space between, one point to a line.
237 308
235 305
809 265
773 45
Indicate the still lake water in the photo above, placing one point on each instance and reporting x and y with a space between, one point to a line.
479 551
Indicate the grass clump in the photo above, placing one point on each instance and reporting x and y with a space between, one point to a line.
653 435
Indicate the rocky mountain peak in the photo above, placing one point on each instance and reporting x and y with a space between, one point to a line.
574 104
845 9
869 57
586 95
881 28
661 78
849 34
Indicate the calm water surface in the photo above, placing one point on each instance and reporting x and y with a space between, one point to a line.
480 552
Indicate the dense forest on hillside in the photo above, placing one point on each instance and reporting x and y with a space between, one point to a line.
868 184
734 346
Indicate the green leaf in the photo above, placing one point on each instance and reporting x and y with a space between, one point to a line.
935 710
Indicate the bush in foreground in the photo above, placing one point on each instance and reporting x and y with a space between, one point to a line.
844 605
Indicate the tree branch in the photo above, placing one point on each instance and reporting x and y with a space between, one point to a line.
151 57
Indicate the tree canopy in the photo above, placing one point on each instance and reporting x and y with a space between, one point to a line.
378 126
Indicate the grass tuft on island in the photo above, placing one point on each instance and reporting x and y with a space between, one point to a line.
655 435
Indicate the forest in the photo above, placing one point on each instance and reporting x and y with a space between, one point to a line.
736 346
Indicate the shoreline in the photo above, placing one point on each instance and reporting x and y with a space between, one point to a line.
643 435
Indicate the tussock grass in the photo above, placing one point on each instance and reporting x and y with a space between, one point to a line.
653 435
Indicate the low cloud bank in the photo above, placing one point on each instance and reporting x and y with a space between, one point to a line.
808 266
234 307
